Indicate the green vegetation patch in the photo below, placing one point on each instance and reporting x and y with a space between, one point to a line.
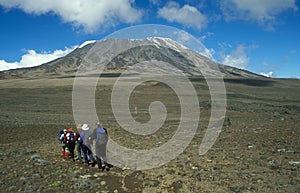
55 184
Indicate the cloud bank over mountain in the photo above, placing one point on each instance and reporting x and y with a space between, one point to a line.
32 58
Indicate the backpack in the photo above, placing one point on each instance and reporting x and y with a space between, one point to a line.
71 137
77 136
64 139
84 137
101 136
60 133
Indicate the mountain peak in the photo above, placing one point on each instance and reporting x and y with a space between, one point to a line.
166 42
140 50
86 43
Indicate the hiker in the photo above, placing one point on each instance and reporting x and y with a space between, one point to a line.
86 145
100 136
70 143
78 143
61 131
63 139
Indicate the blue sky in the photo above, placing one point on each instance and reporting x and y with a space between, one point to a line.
256 35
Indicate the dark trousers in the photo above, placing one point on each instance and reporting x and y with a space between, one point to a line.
79 150
87 153
71 147
101 154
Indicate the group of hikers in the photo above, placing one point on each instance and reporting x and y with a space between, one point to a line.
82 140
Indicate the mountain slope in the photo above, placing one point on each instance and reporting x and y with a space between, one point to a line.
159 49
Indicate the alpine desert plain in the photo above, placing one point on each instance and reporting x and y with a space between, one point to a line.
256 151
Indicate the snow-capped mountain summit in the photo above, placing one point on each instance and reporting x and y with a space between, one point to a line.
166 42
86 43
137 50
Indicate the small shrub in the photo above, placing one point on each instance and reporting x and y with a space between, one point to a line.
55 184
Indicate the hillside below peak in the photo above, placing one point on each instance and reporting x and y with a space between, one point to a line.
139 50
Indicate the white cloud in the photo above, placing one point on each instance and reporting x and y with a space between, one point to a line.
207 52
32 58
183 37
268 74
186 15
89 14
6 65
207 35
261 11
237 58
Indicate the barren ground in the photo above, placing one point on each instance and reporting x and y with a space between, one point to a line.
259 151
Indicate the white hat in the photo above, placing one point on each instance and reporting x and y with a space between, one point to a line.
85 127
